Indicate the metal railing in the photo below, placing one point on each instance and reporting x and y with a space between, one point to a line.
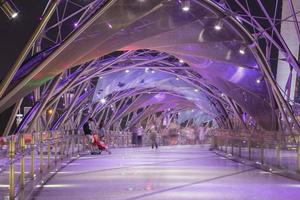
27 161
271 149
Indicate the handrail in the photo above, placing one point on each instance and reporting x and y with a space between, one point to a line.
271 149
29 160
40 154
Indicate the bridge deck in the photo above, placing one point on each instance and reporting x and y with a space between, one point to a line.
178 172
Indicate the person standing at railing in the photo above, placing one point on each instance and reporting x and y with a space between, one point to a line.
140 132
90 128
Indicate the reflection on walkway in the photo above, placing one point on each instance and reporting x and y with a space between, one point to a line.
178 172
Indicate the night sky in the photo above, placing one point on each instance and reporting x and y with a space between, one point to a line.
15 33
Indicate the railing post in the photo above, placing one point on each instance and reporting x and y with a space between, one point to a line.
22 162
73 142
232 145
68 142
41 152
240 147
49 148
278 149
61 142
249 148
78 142
226 144
55 147
11 168
262 150
84 146
32 157
298 154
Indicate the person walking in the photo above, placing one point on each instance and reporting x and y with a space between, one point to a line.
153 136
134 136
140 132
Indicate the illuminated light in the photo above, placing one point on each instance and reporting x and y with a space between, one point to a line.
192 110
14 15
85 89
223 95
9 8
4 186
76 24
127 71
111 106
181 61
177 79
57 186
147 69
185 5
196 90
218 26
152 71
50 111
242 50
109 25
258 81
103 101
101 77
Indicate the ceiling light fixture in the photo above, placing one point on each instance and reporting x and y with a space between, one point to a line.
185 5
9 8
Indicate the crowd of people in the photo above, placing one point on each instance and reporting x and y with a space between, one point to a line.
171 135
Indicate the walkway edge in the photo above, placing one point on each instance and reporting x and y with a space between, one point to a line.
274 170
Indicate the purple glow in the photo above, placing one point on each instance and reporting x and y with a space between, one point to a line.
76 24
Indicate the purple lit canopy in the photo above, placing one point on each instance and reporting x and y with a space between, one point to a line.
161 52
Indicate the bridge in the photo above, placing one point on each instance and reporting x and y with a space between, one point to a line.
214 83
